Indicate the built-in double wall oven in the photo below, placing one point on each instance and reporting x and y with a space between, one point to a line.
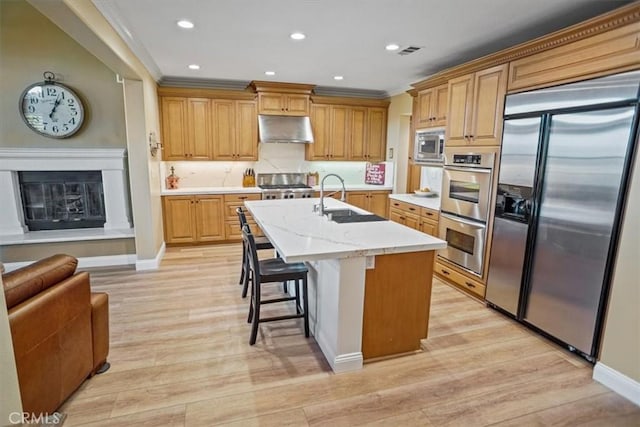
466 195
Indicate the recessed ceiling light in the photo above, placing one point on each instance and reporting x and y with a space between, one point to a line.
392 46
338 77
183 23
270 73
194 67
297 36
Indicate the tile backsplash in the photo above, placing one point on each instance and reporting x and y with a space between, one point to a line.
273 158
431 177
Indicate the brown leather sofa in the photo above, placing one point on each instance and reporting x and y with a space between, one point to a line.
59 328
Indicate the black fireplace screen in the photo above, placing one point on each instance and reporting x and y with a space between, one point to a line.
62 199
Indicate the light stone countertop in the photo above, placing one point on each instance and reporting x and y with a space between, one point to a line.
186 191
425 202
299 234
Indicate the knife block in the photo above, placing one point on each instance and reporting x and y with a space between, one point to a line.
248 181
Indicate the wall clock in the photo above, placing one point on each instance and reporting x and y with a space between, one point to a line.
51 108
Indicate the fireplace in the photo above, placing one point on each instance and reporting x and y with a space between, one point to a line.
54 200
97 198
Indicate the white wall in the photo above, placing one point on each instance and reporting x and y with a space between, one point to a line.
10 395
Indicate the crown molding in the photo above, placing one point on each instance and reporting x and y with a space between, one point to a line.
199 92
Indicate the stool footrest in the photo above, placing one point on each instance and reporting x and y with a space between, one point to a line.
269 301
276 318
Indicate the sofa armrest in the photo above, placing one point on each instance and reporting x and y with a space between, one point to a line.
100 328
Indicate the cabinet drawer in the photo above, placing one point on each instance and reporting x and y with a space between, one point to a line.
430 214
406 207
242 197
459 279
232 229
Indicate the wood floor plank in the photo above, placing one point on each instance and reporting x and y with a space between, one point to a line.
179 356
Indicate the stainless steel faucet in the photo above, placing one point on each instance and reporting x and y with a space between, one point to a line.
321 206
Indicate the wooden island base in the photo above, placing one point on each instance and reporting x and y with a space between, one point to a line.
397 299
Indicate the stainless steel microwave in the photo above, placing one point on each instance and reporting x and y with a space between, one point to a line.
429 146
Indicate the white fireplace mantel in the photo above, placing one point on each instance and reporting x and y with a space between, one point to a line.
111 162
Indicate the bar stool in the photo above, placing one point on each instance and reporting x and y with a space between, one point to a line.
274 270
261 243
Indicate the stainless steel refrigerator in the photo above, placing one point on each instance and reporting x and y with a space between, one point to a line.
566 155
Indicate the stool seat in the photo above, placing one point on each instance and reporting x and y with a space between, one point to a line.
263 243
272 269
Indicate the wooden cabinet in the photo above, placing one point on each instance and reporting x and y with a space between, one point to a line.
413 177
476 104
202 125
235 130
191 219
431 107
375 202
345 132
185 128
283 104
231 221
453 276
330 125
414 216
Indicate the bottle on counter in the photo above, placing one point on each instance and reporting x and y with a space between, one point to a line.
172 180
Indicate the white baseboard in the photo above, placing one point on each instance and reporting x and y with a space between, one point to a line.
151 264
341 362
619 383
85 262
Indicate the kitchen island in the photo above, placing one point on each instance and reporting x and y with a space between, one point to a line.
369 282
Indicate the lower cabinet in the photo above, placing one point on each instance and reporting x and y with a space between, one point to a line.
231 222
190 219
414 216
450 275
375 202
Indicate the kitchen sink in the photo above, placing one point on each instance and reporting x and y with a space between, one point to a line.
342 216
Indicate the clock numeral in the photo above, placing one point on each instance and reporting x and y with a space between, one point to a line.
55 128
31 109
65 127
33 100
72 120
51 91
70 101
62 95
44 125
73 111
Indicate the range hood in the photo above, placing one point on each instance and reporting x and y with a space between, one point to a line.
284 129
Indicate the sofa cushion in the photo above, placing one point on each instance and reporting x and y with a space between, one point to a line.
25 282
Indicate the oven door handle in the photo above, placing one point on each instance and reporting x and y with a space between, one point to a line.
469 169
463 221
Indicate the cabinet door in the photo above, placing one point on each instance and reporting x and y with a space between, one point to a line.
246 130
413 177
429 228
339 133
490 87
198 119
423 114
378 202
459 111
224 132
297 105
359 199
174 128
396 216
440 99
412 221
320 124
209 221
358 130
178 219
377 134
271 103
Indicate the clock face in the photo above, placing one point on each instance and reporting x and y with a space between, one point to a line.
51 109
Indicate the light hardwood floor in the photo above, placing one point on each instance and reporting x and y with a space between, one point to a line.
180 357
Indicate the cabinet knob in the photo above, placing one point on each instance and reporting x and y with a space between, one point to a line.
445 272
469 284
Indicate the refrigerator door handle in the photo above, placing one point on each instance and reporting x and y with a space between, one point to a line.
467 169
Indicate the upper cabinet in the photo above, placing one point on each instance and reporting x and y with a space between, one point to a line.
283 104
476 103
208 124
348 129
235 130
283 99
431 107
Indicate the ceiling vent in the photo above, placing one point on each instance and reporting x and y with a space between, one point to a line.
408 50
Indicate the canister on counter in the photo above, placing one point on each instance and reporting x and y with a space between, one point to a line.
313 178
172 180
